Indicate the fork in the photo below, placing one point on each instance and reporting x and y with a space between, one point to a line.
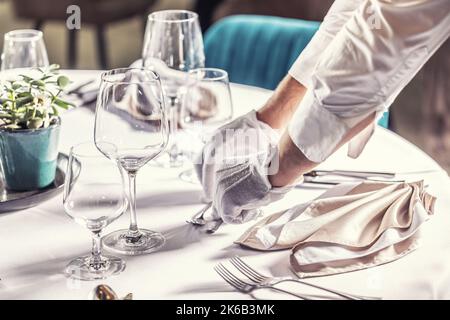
197 219
215 226
246 287
259 278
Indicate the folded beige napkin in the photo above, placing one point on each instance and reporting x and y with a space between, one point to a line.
349 227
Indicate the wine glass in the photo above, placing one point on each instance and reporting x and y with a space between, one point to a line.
131 127
206 106
24 49
173 42
93 197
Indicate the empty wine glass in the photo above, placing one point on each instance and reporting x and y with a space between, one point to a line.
131 127
24 49
206 105
93 197
173 42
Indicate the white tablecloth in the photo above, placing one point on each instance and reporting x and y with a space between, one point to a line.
36 244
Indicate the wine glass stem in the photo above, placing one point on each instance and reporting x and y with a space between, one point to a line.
173 112
96 259
133 230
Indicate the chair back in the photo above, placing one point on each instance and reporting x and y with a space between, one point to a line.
257 50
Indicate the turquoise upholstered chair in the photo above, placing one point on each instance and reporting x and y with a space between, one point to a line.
258 50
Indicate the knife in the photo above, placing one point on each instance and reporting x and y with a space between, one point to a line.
351 173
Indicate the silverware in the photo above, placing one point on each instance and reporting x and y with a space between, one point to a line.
129 296
215 227
87 96
105 292
246 287
383 176
78 88
351 173
312 181
197 219
261 279
333 182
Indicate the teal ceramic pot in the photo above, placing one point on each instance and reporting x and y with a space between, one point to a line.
28 157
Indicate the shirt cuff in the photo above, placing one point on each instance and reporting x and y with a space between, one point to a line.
315 130
304 66
301 72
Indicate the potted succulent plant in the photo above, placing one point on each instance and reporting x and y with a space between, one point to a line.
29 128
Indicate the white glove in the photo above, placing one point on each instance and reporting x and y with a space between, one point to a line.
241 191
234 166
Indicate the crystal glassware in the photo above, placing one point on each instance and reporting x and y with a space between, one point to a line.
206 106
24 49
93 197
173 42
131 128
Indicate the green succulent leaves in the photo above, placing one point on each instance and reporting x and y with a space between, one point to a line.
33 102
62 81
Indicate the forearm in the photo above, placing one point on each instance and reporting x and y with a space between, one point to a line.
281 106
293 163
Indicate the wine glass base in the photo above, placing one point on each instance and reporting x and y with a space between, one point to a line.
121 243
81 268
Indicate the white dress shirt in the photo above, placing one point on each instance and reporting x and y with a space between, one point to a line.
364 54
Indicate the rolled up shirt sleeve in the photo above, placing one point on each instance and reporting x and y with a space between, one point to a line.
367 64
339 13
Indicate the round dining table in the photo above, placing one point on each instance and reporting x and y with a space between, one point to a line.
37 243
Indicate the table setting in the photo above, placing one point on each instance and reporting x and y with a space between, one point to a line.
118 153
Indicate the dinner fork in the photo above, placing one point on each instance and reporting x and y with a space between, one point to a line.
259 278
246 287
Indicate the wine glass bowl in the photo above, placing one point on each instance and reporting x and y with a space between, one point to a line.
206 105
173 45
131 128
207 102
174 37
24 48
131 125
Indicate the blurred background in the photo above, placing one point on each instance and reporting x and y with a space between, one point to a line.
111 36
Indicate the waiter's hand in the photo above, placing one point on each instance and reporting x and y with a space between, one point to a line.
234 166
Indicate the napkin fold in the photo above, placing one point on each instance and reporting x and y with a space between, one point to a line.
350 227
